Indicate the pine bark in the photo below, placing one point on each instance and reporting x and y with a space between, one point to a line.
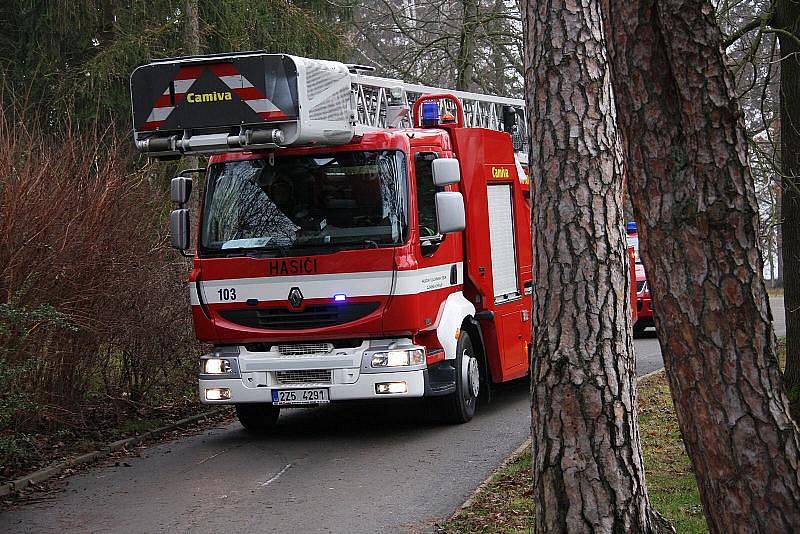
588 474
787 18
695 202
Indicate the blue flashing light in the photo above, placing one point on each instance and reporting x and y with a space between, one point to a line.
631 227
430 113
340 297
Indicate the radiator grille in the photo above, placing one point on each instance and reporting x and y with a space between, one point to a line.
311 376
302 349
314 316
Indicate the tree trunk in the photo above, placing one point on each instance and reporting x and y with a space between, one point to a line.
587 460
192 32
787 18
500 62
779 230
695 203
466 48
192 46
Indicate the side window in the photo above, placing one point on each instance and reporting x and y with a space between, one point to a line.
426 194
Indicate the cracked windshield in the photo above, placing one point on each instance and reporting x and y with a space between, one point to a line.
342 200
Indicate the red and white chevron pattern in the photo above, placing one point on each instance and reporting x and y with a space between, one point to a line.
228 74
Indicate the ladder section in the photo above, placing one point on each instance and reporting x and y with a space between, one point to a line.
385 103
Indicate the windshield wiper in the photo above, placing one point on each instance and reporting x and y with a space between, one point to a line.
256 252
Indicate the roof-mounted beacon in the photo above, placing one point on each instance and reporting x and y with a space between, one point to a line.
235 102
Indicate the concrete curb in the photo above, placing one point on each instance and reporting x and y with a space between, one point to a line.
519 451
513 457
648 375
56 469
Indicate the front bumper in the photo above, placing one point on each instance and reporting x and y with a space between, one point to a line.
348 373
363 388
644 309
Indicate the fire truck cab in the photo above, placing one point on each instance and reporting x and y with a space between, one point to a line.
338 259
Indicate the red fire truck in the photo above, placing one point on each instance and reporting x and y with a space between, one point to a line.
350 246
644 304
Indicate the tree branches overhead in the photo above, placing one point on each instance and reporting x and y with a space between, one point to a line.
473 45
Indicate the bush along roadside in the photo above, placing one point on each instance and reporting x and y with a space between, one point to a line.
95 333
506 503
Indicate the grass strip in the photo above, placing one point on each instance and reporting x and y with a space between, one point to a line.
506 504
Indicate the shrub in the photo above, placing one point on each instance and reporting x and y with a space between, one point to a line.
93 304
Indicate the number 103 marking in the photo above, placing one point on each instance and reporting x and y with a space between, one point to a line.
227 294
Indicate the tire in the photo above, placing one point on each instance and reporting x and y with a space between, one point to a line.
638 329
459 406
258 418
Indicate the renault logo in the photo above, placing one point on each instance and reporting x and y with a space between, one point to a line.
295 297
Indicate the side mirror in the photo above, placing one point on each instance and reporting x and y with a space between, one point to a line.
179 229
446 171
180 189
450 215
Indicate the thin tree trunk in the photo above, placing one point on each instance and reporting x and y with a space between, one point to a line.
779 230
771 252
587 458
192 46
192 32
466 48
695 201
499 60
787 18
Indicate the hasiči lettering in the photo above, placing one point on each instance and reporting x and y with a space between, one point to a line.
293 266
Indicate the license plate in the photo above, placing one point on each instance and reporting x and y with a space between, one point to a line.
300 396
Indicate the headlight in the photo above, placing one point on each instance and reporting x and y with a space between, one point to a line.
398 358
215 366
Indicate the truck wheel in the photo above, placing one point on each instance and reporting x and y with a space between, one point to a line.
258 418
459 406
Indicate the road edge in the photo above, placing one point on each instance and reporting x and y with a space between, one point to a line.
488 480
512 458
7 488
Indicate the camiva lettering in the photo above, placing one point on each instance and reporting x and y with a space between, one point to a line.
499 172
195 98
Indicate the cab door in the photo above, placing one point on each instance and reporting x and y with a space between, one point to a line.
439 256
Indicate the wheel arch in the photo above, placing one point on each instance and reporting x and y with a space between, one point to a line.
473 328
455 312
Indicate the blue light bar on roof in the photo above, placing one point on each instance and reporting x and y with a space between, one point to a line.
430 113
631 228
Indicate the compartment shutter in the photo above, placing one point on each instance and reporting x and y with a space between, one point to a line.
503 246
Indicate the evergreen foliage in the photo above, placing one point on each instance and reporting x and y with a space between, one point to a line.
74 59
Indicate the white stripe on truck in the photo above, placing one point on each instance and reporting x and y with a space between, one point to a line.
325 286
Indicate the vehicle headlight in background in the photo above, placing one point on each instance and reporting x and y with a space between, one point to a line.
398 358
215 366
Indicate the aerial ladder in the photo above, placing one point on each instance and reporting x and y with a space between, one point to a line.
386 103
284 100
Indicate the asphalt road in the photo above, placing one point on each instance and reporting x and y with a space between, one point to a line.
344 468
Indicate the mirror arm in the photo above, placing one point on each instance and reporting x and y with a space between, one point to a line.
197 170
